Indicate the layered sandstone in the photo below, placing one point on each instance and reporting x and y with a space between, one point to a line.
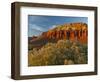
72 31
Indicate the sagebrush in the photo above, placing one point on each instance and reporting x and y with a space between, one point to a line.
64 52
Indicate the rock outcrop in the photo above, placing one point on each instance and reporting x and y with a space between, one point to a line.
72 31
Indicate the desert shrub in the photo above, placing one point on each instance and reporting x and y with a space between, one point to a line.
30 46
60 53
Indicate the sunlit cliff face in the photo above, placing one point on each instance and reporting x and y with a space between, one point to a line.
73 32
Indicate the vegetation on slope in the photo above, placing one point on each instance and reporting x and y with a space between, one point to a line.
64 52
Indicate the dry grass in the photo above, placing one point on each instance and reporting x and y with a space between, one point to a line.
60 53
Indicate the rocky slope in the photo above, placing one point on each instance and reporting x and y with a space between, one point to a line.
71 31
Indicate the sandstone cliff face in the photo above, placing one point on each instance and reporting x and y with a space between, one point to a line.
72 31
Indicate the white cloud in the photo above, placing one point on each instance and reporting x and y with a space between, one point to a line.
34 26
53 26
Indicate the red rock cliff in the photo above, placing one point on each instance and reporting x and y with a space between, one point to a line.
72 31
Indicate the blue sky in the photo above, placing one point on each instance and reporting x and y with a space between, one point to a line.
39 24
